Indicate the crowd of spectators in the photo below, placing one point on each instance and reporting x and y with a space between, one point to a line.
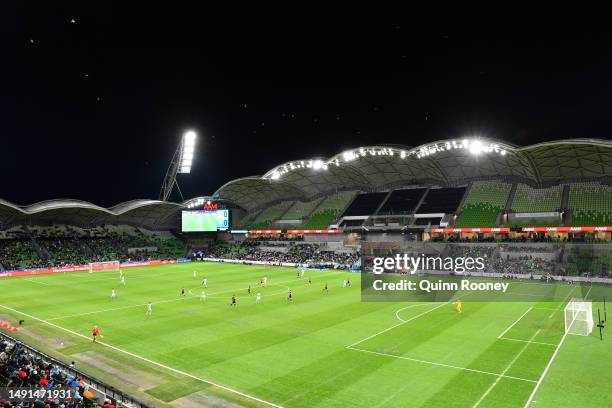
20 368
526 248
19 253
42 251
523 265
311 254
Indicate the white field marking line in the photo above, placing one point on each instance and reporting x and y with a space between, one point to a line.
528 341
144 304
562 302
441 364
505 371
145 359
533 393
588 291
397 325
407 307
34 281
515 322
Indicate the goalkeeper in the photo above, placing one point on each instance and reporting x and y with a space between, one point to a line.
458 306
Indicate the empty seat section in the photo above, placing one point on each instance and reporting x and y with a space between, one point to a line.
591 204
402 201
365 204
442 200
484 201
532 200
329 209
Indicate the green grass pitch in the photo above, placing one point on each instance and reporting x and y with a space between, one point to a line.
321 350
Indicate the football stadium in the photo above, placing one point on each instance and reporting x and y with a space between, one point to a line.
304 210
255 295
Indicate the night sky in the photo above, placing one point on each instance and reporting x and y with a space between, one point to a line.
96 97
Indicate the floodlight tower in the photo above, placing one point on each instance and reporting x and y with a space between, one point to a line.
180 164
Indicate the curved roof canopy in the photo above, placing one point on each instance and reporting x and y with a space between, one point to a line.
146 213
443 163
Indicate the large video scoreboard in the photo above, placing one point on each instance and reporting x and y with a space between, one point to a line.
209 218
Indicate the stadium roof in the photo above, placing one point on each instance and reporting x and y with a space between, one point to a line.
146 213
444 163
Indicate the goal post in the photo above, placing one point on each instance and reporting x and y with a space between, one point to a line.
105 266
579 317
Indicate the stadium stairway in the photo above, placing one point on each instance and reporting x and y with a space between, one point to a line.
280 217
338 218
465 196
85 247
416 208
565 196
42 252
511 197
383 202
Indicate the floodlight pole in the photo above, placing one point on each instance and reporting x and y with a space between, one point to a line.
170 179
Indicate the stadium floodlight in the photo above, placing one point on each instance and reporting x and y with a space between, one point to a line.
187 150
181 163
476 147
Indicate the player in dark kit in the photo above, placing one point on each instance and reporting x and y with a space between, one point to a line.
309 281
183 292
249 290
233 300
325 289
290 296
94 333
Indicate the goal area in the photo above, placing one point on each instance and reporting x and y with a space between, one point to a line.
104 266
579 317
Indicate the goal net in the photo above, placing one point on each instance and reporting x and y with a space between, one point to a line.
104 266
579 317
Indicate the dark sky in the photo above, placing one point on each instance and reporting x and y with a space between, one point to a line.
93 108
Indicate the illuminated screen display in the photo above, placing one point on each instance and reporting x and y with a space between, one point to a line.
203 221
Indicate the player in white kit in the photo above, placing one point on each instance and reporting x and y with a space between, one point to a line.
204 283
123 280
113 294
149 309
258 298
202 296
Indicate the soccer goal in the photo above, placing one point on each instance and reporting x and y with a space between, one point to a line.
104 266
579 317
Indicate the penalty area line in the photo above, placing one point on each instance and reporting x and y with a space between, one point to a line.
514 324
155 363
535 389
441 364
503 373
397 325
528 341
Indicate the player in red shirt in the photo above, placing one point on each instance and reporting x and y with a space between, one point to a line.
94 333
